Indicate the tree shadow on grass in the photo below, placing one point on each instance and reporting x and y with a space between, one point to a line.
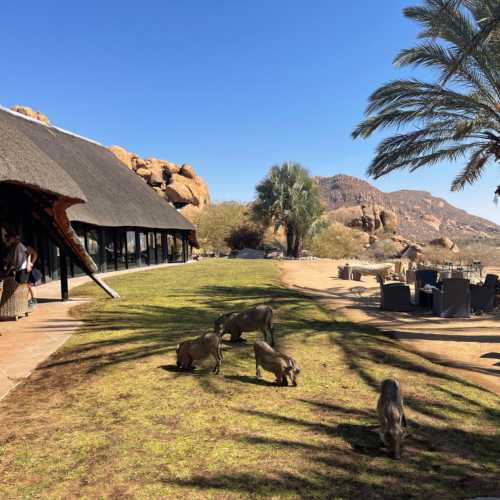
336 471
362 438
429 464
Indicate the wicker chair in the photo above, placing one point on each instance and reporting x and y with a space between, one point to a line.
453 300
424 277
395 297
483 296
14 302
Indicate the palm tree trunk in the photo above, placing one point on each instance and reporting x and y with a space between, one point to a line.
297 247
290 241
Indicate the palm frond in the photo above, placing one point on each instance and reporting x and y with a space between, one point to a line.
472 171
458 115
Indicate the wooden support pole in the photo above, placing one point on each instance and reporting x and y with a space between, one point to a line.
63 269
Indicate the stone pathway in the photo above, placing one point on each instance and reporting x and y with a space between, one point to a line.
26 343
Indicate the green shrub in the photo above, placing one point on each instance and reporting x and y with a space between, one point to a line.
384 249
226 226
247 235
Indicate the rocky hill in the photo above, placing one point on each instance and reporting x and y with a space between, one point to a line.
420 216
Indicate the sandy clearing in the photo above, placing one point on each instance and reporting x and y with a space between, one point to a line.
469 347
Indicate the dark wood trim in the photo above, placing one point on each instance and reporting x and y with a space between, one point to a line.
63 266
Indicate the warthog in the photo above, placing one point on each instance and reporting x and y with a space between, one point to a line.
391 416
280 364
258 318
199 349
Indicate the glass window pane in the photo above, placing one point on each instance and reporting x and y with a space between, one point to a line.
178 248
144 248
131 253
93 245
152 249
110 249
170 247
121 250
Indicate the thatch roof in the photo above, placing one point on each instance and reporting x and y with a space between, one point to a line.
57 161
22 162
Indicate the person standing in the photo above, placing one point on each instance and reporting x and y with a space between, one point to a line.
17 259
34 275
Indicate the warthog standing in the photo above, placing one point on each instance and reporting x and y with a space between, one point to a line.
280 364
199 349
391 416
257 318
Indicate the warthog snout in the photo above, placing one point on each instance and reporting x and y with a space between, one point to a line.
394 440
294 375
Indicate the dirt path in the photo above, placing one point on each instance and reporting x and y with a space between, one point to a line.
470 347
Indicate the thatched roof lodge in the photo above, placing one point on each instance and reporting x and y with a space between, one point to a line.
73 200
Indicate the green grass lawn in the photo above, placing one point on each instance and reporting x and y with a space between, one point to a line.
109 416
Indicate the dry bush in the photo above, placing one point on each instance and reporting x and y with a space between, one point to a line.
488 252
383 249
216 223
438 255
336 242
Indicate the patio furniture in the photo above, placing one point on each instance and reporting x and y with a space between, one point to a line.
356 276
453 300
395 297
344 272
483 296
426 295
14 301
424 277
491 281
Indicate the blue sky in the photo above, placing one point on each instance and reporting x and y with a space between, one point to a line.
230 86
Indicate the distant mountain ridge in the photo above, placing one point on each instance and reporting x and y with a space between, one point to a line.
422 216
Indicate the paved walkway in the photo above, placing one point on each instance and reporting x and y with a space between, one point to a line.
26 343
471 347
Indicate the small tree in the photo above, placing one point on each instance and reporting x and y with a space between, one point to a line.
247 235
384 248
216 223
288 198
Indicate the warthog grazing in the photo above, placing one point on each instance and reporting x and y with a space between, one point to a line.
257 318
199 349
280 364
391 416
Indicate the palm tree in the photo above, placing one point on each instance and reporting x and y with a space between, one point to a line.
457 116
288 198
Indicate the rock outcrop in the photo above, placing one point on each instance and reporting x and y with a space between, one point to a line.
178 184
370 219
26 111
446 243
420 216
